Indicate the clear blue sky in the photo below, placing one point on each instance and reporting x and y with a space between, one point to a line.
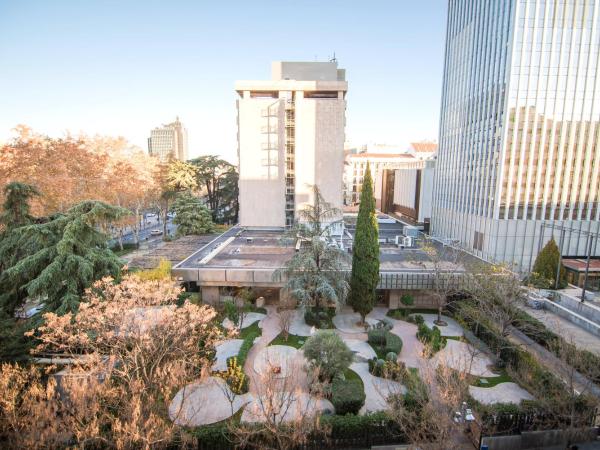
123 67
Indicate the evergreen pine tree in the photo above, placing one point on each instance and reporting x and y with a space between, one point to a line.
544 268
365 254
191 216
15 210
55 261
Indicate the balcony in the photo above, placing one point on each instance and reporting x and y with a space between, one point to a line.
269 112
273 161
270 146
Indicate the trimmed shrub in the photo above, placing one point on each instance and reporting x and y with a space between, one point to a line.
347 396
246 346
393 343
376 337
391 356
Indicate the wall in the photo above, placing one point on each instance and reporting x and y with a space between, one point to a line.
262 193
534 440
319 151
422 299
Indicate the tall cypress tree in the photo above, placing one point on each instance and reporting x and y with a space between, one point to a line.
365 255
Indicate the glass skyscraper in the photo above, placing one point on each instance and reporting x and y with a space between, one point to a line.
519 153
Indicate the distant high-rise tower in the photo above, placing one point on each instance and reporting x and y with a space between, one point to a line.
519 156
169 142
290 137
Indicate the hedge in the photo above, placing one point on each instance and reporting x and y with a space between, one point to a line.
246 346
345 432
347 396
393 343
384 341
319 319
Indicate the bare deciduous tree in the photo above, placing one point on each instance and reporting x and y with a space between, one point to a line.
130 349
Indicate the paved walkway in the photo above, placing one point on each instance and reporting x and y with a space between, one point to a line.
298 326
452 329
362 350
284 358
501 393
225 350
205 402
285 407
249 319
377 389
347 321
464 358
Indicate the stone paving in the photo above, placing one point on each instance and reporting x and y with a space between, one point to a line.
452 329
225 350
249 319
281 357
362 350
376 389
347 321
501 393
463 357
298 326
285 406
204 403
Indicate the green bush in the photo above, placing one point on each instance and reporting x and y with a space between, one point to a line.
320 319
391 356
246 346
433 337
376 337
347 396
393 343
326 351
419 319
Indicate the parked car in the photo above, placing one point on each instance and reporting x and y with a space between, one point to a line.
156 232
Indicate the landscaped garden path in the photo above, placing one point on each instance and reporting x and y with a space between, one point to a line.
501 393
249 319
205 402
465 358
376 389
298 326
225 350
283 358
286 406
347 321
452 329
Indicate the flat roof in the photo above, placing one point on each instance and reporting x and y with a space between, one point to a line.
240 248
579 264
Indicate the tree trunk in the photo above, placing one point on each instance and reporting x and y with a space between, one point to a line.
120 239
165 228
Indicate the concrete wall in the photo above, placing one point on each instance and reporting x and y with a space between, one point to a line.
422 299
319 151
295 70
210 295
584 309
262 188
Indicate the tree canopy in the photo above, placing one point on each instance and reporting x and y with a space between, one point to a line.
365 252
315 275
546 263
16 207
56 260
218 181
191 216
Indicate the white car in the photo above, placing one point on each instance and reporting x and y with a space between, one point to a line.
156 232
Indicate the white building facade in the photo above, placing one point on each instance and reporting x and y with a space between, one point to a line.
290 137
519 154
169 142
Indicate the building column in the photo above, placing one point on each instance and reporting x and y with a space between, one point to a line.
210 295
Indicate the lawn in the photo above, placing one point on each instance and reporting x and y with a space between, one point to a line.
254 328
292 341
491 381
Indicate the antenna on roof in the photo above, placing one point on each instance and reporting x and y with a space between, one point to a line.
334 59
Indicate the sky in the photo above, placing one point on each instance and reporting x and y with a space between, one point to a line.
121 68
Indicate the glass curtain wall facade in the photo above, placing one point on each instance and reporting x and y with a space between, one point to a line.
519 152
